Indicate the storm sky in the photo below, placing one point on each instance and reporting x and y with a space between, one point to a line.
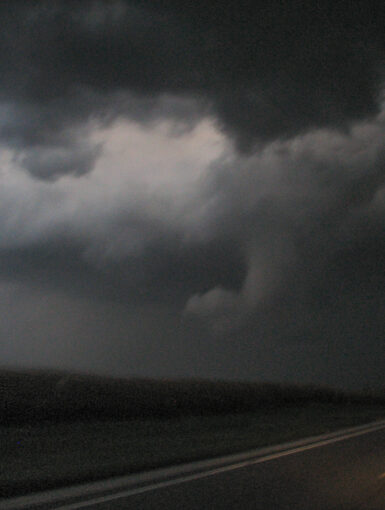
194 189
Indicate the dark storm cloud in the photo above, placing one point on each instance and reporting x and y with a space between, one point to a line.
279 247
309 213
264 69
165 271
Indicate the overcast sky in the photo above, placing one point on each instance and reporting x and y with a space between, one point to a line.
195 189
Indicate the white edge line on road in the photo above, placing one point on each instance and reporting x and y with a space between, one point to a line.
211 472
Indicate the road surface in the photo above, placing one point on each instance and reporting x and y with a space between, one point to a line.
343 470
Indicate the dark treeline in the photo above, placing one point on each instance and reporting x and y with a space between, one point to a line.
33 396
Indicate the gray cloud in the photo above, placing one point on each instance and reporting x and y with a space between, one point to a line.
278 220
267 262
51 162
302 211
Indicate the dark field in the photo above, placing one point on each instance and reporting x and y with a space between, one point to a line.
57 429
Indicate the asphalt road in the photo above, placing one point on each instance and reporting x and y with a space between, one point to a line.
336 471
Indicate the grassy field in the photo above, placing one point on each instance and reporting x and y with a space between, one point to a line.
54 433
46 455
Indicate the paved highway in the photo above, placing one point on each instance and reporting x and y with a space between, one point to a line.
344 470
